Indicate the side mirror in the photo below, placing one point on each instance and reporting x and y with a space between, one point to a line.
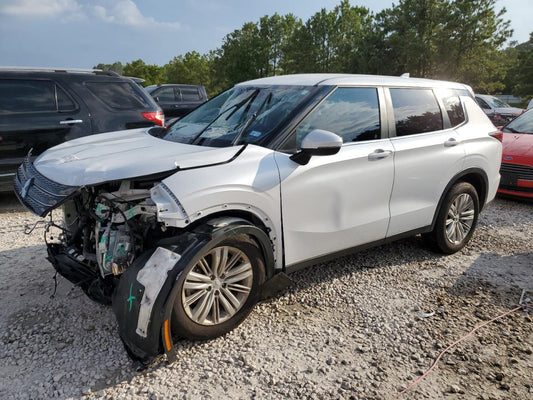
317 143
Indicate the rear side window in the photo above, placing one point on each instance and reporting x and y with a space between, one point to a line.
351 113
118 95
454 109
190 94
415 111
165 94
26 96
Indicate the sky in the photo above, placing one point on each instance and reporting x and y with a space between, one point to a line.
83 33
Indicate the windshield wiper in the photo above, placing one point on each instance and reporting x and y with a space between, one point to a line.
235 107
251 119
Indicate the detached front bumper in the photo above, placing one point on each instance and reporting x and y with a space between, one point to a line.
38 193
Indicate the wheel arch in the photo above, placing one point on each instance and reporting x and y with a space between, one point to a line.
265 242
476 177
134 302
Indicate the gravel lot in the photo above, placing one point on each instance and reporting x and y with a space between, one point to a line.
350 329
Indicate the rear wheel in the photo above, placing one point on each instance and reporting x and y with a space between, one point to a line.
218 289
456 220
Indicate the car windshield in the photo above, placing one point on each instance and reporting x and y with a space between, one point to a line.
522 124
150 88
496 102
243 114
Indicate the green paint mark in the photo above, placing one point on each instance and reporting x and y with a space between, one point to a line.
99 209
131 298
130 213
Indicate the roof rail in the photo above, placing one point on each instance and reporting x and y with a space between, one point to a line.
55 69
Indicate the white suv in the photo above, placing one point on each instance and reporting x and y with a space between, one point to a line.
184 230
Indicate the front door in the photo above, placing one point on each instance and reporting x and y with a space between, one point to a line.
340 201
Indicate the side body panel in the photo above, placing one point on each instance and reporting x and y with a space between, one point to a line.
248 184
335 202
482 151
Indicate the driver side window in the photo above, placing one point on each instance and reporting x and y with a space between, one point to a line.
351 113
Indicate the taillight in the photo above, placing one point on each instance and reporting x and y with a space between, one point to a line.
497 135
156 117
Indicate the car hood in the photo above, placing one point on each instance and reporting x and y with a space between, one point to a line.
509 110
122 155
517 148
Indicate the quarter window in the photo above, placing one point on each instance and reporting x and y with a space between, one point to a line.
351 113
454 109
415 111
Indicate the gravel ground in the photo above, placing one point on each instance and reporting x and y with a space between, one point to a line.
353 328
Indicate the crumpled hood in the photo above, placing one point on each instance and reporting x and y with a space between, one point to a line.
122 155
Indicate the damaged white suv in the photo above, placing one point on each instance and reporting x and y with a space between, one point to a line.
184 230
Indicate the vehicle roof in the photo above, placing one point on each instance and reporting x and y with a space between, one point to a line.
348 80
55 71
172 84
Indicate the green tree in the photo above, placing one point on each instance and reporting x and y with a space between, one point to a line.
520 74
152 74
470 49
115 67
330 41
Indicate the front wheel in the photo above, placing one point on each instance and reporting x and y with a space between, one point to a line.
456 220
218 289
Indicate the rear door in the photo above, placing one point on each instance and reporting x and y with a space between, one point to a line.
168 99
428 153
340 201
36 114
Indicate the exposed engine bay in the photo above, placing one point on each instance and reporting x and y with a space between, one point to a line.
104 229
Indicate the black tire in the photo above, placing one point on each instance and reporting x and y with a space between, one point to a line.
456 220
188 320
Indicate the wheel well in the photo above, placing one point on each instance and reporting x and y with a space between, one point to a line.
476 178
479 183
254 220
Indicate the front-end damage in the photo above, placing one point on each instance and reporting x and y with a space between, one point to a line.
104 229
125 242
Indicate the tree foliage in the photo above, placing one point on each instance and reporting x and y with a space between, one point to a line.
460 40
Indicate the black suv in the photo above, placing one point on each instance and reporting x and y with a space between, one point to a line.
177 100
40 108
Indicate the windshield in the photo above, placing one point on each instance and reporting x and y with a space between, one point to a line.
243 114
522 124
496 102
150 88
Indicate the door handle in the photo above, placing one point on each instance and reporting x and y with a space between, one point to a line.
379 154
71 121
451 142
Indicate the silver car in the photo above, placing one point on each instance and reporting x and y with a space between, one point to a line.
184 229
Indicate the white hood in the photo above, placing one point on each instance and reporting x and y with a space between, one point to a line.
122 155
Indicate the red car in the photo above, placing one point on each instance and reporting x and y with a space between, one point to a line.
517 158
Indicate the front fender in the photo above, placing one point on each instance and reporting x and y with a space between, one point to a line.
145 295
